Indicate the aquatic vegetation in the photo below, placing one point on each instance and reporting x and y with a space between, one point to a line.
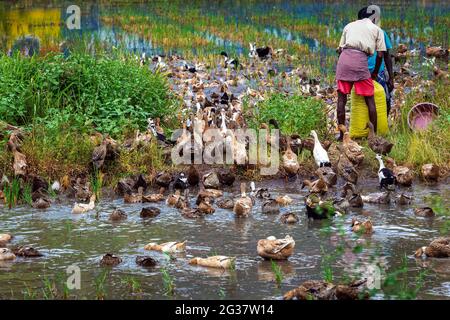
133 284
168 282
99 284
276 269
11 192
26 194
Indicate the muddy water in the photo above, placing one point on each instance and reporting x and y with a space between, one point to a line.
66 239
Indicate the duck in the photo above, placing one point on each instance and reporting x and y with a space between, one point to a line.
27 252
403 175
226 177
378 144
284 200
154 197
5 237
210 180
41 203
181 182
424 212
270 206
229 62
244 204
352 150
437 52
262 53
354 199
110 260
377 197
346 169
365 227
169 247
311 290
438 248
99 154
403 199
385 176
317 186
261 193
328 175
320 154
83 207
276 249
193 176
163 179
225 203
146 261
316 208
222 262
6 255
118 215
205 206
149 212
430 172
290 163
20 165
134 197
173 199
289 218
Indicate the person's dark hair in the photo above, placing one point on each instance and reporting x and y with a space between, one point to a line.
364 14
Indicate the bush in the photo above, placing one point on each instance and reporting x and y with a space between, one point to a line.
82 91
295 114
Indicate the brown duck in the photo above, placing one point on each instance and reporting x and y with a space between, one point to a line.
439 248
378 144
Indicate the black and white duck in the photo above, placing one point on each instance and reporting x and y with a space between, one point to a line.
385 176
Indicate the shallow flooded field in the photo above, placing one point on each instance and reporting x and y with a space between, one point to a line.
66 239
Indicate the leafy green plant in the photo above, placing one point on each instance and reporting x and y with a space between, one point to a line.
168 282
99 284
26 194
276 269
49 291
11 192
133 284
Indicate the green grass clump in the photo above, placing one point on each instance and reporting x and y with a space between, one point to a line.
295 114
101 93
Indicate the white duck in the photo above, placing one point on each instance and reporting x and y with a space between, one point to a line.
84 207
319 153
169 247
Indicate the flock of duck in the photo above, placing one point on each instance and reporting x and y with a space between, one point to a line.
210 101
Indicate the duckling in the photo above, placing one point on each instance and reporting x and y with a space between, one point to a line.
438 248
385 176
270 206
6 255
211 180
193 176
149 212
352 149
133 197
430 172
277 249
290 161
83 207
118 215
145 261
365 227
226 177
317 186
378 197
173 199
320 155
424 212
222 262
99 154
289 218
284 200
225 203
163 179
28 252
261 193
244 204
181 182
378 144
328 175
110 260
346 169
169 247
403 175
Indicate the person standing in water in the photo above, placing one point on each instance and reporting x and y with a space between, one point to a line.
360 39
373 12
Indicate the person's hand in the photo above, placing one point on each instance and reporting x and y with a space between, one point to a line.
390 85
374 76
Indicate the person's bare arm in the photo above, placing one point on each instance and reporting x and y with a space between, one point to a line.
377 64
388 63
